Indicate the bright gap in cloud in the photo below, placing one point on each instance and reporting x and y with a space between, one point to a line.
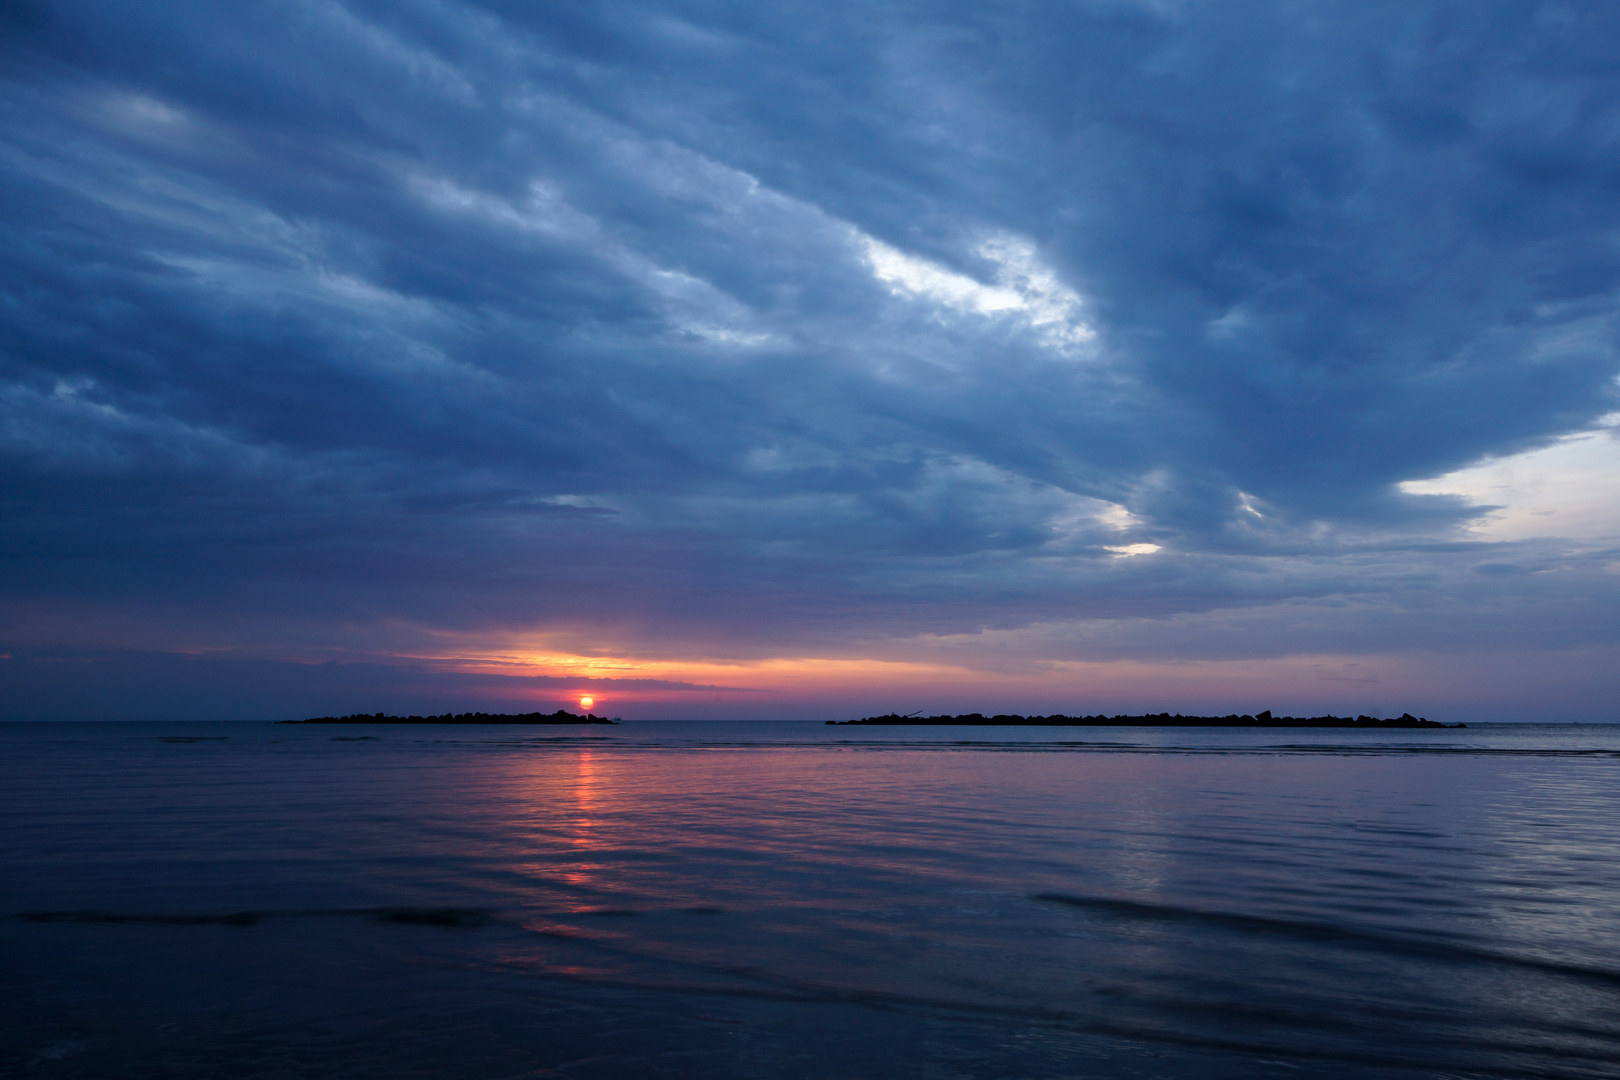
1570 489
1025 287
1127 550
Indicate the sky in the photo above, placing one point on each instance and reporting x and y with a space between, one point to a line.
809 360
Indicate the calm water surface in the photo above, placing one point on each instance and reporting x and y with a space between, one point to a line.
794 900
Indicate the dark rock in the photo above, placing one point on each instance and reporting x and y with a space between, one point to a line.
1262 719
561 716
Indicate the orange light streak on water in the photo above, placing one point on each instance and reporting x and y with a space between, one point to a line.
584 868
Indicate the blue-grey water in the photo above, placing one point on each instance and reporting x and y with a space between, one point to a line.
794 900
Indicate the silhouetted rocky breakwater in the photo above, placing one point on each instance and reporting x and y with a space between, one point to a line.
1263 719
559 717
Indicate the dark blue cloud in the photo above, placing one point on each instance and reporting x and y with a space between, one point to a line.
803 326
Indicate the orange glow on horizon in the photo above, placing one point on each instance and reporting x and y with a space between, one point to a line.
948 674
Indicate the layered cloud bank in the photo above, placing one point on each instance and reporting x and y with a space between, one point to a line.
759 356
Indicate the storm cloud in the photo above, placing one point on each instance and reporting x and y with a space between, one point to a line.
674 329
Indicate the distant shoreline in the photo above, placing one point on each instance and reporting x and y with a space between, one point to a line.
559 717
1260 720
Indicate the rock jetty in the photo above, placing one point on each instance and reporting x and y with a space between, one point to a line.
1261 719
561 716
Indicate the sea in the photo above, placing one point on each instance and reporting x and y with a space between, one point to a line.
764 900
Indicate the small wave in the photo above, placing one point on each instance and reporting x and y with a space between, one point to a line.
1493 751
1070 746
114 918
751 983
455 918
458 918
1325 932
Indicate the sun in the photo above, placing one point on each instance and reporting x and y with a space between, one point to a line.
586 702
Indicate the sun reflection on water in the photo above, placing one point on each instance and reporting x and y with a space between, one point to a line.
584 869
